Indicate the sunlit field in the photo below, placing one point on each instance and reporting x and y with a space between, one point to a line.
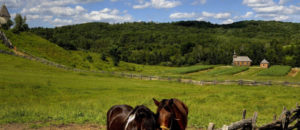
31 92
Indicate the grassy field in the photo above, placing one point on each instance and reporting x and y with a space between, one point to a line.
276 70
32 92
191 69
3 47
228 71
37 46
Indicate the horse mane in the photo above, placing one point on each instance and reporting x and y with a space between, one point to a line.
136 115
180 111
183 109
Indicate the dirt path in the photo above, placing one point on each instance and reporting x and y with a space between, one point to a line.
294 72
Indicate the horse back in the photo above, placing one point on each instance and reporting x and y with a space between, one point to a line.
116 117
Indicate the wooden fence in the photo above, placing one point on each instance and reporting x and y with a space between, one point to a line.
203 82
162 78
288 120
5 40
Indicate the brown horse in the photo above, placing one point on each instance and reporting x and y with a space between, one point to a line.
124 117
171 114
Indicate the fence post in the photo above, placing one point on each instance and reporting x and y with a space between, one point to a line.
191 81
150 77
269 83
254 121
179 80
225 127
254 83
141 77
244 114
286 83
241 82
211 126
214 82
201 82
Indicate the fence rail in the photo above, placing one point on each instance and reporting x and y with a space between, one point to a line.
162 78
288 120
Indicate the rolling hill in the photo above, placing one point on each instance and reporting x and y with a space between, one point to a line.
183 43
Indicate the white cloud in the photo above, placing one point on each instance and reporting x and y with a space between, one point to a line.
157 4
248 14
64 12
283 1
270 10
216 15
182 15
221 17
107 15
56 11
142 6
61 22
32 17
199 2
273 17
228 21
201 16
200 19
258 3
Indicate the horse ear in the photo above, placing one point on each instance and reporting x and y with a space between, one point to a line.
171 101
156 102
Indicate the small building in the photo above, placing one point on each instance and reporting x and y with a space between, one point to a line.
264 64
4 15
241 60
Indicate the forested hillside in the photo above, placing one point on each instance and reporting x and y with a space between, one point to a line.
183 43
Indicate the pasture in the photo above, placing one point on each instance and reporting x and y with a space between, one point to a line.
276 70
39 47
228 71
31 92
191 69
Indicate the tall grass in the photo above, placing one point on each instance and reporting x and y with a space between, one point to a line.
32 92
276 70
191 69
228 71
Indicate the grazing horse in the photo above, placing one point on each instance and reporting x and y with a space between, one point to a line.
171 114
124 117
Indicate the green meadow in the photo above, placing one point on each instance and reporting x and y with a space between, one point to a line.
31 92
276 70
34 45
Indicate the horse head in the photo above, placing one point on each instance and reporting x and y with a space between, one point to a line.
171 114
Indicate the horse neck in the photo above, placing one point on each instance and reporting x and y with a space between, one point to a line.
179 118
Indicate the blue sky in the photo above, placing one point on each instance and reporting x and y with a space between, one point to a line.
51 13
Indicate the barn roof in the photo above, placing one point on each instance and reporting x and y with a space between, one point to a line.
4 12
242 58
264 61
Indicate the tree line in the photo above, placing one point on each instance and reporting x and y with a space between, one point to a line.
182 43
